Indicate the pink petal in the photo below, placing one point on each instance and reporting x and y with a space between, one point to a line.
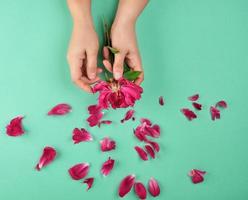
126 185
188 113
104 122
14 128
79 171
142 154
94 109
60 109
145 121
89 182
153 131
194 97
94 119
221 104
155 145
150 151
48 155
129 114
140 190
107 166
197 175
215 113
197 106
153 187
107 144
140 135
81 135
161 100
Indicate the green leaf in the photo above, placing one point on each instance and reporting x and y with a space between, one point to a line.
113 50
131 75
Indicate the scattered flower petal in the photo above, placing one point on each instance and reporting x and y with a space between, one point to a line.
117 94
81 135
150 151
79 171
197 106
161 100
94 109
14 128
107 144
188 113
60 109
139 135
197 175
104 122
155 145
215 113
221 104
140 190
142 154
89 182
129 114
153 187
94 119
48 155
126 185
107 166
194 97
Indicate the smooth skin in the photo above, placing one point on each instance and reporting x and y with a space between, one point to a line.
84 44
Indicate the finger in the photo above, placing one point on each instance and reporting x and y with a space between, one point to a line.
105 53
107 65
91 64
86 87
92 81
118 65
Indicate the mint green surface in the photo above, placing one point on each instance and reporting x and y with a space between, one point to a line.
187 46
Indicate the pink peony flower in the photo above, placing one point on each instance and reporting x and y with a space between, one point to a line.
117 94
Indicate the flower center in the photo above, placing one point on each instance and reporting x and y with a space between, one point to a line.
115 86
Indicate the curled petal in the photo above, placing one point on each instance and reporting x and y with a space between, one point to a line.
150 151
154 145
197 106
194 97
14 128
142 154
95 119
107 166
153 131
48 155
153 187
79 171
197 175
126 185
129 114
188 113
161 100
60 109
94 109
221 104
140 190
81 135
139 134
89 182
107 144
215 113
104 122
145 122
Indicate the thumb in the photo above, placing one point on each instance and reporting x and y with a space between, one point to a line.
91 66
118 65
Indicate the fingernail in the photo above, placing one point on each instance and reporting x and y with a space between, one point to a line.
117 75
92 76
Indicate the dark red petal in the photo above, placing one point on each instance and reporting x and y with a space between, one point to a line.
107 166
145 121
60 109
129 114
188 113
14 128
79 171
140 190
194 97
221 104
197 106
107 144
142 154
150 151
94 109
81 135
197 176
161 100
155 145
140 135
126 185
89 182
48 155
94 119
215 113
153 131
153 187
104 122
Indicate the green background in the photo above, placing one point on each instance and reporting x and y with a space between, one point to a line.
187 46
